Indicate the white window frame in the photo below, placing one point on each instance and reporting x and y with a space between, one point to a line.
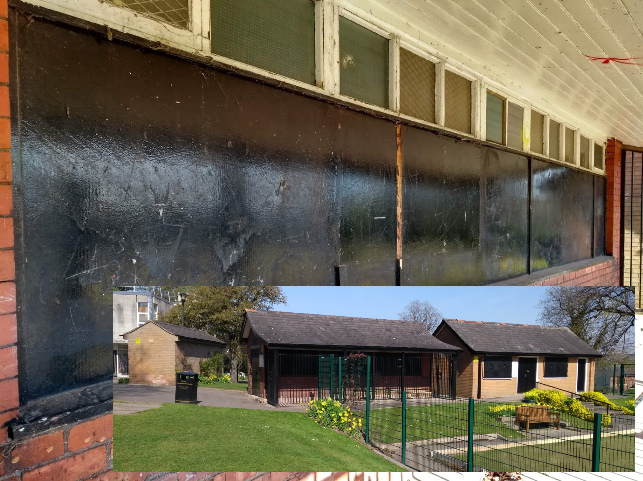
139 313
586 373
545 369
475 97
545 145
602 146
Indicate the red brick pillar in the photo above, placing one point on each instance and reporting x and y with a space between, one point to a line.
613 161
8 330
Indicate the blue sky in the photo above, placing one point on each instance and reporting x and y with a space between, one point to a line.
491 304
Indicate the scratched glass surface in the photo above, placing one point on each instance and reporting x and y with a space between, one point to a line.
465 211
562 200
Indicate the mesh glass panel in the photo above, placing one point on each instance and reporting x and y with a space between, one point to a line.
569 145
174 12
417 86
554 140
584 152
457 102
598 156
537 123
275 35
363 63
495 118
514 126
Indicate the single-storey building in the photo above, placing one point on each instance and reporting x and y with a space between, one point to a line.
297 357
499 359
157 350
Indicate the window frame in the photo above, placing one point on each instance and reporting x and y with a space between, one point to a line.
484 369
474 116
555 359
414 49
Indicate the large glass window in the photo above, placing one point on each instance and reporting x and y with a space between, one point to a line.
584 152
495 118
143 313
537 127
275 35
569 145
514 126
497 367
556 366
417 86
363 63
598 156
457 102
554 139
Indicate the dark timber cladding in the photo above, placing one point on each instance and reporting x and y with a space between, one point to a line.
310 355
135 167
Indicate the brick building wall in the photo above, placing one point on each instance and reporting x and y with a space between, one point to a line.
262 371
153 360
466 381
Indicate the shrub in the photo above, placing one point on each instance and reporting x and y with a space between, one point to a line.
561 403
123 380
332 414
212 379
212 366
600 400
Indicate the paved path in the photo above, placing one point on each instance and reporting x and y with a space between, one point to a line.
130 398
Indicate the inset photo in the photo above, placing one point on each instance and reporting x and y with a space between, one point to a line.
374 379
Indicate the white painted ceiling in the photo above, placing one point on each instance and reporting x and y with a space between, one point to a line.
538 50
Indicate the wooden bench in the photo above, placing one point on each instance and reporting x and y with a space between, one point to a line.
535 415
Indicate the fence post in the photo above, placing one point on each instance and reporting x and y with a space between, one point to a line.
319 376
403 427
470 437
621 389
339 381
596 445
368 395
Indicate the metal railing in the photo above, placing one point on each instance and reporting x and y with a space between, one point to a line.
445 434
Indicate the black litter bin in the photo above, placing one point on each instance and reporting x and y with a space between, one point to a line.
186 385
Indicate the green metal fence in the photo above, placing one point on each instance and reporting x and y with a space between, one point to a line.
446 434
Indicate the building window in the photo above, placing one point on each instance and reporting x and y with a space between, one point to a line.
298 364
173 12
598 156
556 366
413 365
495 118
457 102
417 86
275 35
363 63
569 145
497 367
514 126
584 152
143 313
387 364
537 128
554 139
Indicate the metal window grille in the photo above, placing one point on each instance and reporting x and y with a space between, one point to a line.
569 145
514 125
495 118
275 35
363 57
537 126
554 139
497 367
457 102
584 152
556 367
417 86
598 156
173 12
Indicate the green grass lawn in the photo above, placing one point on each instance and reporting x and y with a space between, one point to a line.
617 454
230 386
185 437
622 400
435 421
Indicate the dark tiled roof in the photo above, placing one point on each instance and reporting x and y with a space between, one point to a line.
184 332
318 331
496 337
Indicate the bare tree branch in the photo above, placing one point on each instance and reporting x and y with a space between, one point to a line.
423 313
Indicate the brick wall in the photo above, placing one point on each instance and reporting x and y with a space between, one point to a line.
466 370
153 360
262 375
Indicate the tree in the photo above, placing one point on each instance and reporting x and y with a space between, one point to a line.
601 316
220 312
423 313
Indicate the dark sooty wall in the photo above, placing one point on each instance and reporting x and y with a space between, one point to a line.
134 167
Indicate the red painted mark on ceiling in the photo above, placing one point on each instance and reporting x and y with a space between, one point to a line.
626 61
